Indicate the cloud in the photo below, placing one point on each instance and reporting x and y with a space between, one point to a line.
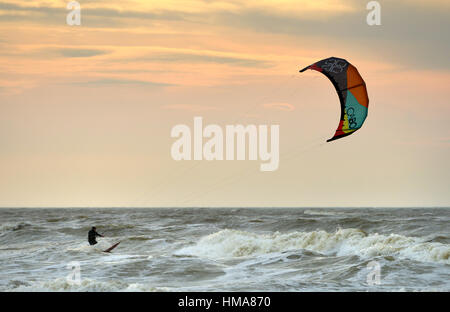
81 52
51 52
280 106
122 81
410 35
190 107
90 16
186 57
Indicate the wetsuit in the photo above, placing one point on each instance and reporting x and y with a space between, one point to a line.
91 237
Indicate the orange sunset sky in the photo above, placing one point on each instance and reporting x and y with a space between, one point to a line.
86 111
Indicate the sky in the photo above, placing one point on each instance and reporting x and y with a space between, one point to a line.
86 111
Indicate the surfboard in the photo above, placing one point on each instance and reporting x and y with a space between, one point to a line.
112 247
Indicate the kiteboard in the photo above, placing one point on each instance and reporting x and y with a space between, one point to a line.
112 247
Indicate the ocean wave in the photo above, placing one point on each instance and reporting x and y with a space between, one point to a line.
62 284
139 238
86 248
7 227
343 242
322 212
439 238
117 226
63 219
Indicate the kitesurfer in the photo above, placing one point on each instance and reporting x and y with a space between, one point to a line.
92 235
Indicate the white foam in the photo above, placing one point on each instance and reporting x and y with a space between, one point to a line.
85 247
61 284
233 243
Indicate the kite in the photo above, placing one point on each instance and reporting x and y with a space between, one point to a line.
351 90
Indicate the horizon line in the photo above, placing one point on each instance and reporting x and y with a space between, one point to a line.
225 207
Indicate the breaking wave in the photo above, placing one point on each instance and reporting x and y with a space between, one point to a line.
344 242
62 284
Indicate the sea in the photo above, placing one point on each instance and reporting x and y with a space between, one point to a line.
226 249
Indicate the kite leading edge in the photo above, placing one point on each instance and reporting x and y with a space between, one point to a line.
351 90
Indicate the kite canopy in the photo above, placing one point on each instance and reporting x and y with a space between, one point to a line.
351 90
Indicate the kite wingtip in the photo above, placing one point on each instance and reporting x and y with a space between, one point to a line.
302 70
